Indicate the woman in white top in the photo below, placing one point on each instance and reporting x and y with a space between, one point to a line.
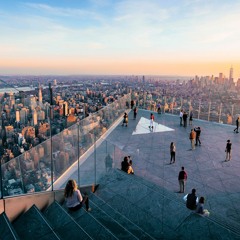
73 196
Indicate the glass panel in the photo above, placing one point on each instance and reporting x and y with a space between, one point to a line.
36 169
12 182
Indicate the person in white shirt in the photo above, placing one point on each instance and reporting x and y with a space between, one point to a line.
181 117
73 197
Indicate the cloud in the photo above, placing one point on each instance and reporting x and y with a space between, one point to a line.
65 12
141 11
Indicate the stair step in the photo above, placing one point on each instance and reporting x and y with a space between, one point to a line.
142 217
158 212
113 225
7 231
91 225
126 223
63 224
226 223
33 225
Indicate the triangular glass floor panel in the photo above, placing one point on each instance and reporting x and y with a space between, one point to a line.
143 127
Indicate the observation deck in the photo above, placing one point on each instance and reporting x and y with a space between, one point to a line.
149 199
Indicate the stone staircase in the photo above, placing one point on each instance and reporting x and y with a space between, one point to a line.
123 207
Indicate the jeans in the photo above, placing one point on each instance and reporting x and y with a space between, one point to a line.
182 185
84 201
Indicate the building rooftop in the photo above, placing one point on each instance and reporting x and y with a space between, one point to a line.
148 205
208 172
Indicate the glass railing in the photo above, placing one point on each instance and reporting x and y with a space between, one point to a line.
73 152
209 110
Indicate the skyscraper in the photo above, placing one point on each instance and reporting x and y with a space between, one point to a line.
40 94
231 74
220 78
34 117
17 116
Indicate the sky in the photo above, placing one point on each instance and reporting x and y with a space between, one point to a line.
149 37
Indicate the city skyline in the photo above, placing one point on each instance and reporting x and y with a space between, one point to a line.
185 37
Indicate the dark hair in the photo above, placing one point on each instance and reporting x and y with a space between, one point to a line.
193 190
182 168
70 188
201 200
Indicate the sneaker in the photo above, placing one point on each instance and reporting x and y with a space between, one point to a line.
89 210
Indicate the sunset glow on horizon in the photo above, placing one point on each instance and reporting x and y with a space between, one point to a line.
155 37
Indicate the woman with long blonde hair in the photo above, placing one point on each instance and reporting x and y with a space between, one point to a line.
73 196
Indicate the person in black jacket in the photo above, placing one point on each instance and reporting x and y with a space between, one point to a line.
228 150
237 125
192 200
185 117
198 133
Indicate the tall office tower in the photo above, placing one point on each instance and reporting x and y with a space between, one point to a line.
23 115
40 94
41 115
22 97
55 82
65 109
11 99
9 131
17 116
50 94
238 83
220 78
32 102
34 117
231 74
143 79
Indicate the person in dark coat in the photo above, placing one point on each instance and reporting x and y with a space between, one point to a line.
185 116
192 200
237 125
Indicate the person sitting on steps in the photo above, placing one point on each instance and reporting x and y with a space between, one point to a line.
73 197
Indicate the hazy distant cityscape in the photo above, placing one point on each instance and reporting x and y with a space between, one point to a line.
34 108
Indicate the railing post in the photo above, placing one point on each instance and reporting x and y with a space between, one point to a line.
199 109
209 110
232 111
95 161
78 152
220 113
51 150
189 108
1 184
